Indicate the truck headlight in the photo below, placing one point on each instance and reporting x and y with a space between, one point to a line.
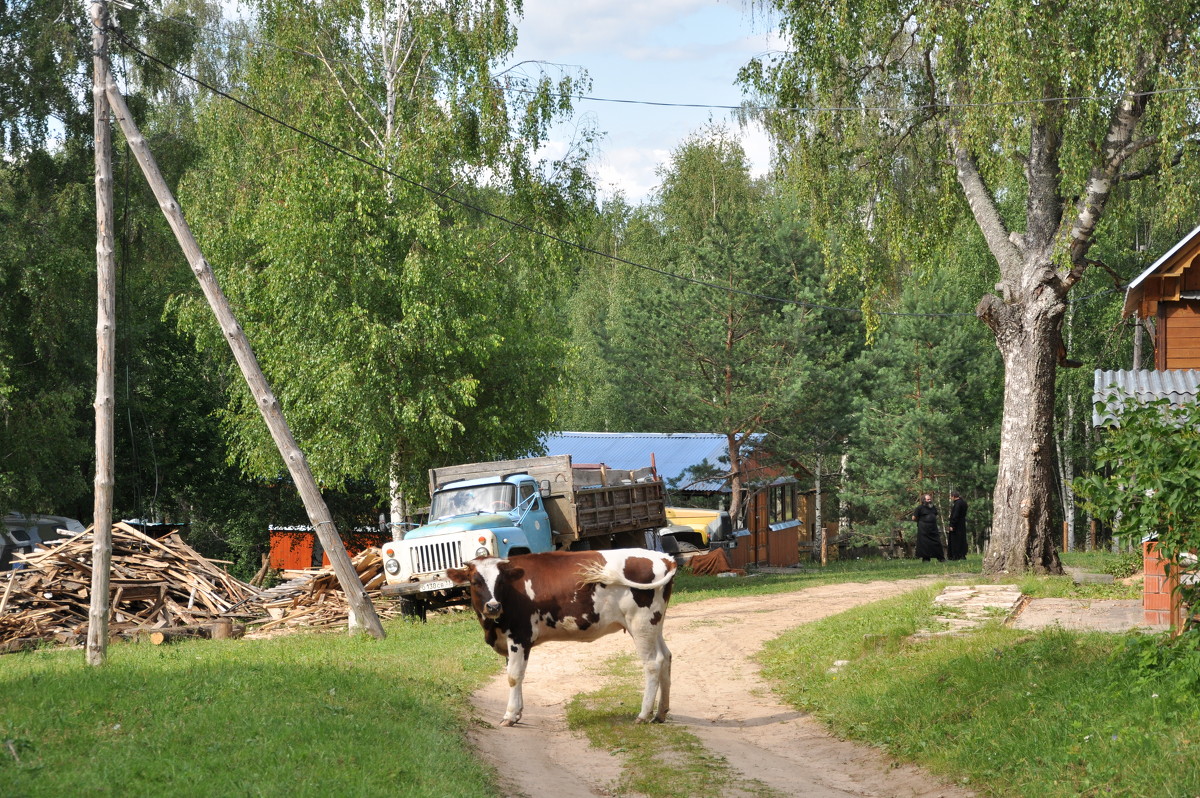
483 551
391 566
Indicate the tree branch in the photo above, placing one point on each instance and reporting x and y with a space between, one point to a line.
348 98
1104 176
983 208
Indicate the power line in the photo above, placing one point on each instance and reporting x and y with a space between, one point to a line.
518 224
903 109
743 108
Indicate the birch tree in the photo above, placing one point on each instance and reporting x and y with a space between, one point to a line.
1031 119
401 324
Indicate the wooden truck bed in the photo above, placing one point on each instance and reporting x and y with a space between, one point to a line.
582 502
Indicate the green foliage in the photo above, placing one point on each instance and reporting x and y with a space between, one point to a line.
902 125
170 459
697 357
1126 564
881 177
398 329
927 417
1147 482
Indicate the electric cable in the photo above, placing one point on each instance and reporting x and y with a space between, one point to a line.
443 194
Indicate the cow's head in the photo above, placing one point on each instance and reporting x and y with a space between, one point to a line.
489 579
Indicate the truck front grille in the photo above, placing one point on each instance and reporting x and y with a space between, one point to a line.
436 556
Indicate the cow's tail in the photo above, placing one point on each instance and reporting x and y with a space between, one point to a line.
608 573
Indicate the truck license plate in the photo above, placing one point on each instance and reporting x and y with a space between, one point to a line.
437 584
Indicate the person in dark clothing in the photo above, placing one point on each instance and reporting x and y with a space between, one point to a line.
956 528
929 539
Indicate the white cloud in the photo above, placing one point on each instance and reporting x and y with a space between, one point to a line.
561 30
668 51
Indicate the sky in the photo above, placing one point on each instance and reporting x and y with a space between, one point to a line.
675 51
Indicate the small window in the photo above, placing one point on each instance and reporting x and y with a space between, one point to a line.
526 491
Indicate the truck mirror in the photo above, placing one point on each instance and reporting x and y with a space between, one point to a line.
544 487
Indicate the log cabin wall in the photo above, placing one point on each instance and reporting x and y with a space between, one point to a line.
1179 335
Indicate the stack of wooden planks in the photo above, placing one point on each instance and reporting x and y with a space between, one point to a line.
155 584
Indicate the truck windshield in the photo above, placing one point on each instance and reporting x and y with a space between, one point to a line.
467 501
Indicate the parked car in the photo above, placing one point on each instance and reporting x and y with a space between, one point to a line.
23 533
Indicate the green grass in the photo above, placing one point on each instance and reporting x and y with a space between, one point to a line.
307 714
658 760
325 714
1003 712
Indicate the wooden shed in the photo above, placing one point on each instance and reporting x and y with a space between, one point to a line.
1169 293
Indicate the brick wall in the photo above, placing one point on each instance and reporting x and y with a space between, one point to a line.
1160 602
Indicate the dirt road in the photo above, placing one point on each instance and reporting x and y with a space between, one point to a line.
716 693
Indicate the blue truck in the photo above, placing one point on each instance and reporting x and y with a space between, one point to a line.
524 506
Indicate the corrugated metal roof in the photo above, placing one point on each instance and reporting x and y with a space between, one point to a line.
1113 388
673 452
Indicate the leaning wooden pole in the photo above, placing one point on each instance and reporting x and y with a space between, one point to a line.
106 312
362 613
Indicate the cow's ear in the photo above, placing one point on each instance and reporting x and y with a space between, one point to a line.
459 576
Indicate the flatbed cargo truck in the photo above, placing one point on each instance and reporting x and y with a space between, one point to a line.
524 506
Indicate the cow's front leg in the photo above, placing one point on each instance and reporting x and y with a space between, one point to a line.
518 658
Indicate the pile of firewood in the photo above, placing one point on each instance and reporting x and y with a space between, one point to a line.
163 589
153 585
313 597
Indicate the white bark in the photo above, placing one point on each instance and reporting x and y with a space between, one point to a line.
818 519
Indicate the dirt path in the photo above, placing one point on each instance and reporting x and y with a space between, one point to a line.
716 693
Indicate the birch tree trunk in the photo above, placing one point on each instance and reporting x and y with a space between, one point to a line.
1038 268
817 519
843 502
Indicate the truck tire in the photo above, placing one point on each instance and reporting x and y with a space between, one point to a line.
414 609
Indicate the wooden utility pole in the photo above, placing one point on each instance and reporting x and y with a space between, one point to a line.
106 313
362 613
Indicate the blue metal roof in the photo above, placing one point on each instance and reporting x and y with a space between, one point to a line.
1114 388
674 452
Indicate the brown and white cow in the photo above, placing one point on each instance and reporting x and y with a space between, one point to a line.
528 599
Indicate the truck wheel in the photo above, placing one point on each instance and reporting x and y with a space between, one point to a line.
410 608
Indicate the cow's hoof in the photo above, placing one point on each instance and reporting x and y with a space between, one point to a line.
659 719
507 722
640 720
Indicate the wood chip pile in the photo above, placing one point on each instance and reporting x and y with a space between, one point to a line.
162 589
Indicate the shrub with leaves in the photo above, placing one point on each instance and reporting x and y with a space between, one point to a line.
1147 481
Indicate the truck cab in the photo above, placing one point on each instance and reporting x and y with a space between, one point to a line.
485 517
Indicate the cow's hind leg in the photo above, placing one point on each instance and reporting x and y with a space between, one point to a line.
664 682
518 658
656 662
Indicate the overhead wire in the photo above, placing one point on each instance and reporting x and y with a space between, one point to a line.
444 194
743 107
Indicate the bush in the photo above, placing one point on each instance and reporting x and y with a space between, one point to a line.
1125 565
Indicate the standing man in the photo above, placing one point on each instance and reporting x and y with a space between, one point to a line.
929 539
957 527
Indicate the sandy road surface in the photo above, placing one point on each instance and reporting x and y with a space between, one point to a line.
716 692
